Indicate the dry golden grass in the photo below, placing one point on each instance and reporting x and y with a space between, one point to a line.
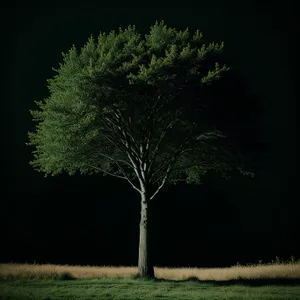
288 271
291 271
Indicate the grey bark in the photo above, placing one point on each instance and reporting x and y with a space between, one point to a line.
145 266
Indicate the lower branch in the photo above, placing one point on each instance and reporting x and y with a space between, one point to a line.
118 176
163 182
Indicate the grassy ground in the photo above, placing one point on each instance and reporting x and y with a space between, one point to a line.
113 288
48 282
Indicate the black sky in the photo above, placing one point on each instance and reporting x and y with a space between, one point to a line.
91 220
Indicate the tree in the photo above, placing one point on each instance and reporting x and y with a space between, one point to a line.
134 107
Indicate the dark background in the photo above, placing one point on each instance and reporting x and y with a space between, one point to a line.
94 220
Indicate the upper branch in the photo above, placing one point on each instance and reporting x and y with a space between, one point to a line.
163 134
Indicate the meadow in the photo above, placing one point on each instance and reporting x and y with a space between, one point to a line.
45 281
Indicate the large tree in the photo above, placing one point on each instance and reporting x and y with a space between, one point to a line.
133 106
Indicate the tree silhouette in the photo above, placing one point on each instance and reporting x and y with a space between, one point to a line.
135 108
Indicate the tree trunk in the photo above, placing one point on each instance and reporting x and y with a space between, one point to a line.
145 267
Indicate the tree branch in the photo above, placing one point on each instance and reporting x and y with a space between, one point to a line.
114 175
163 134
210 135
108 173
163 181
128 135
173 160
112 142
121 169
135 167
179 151
127 141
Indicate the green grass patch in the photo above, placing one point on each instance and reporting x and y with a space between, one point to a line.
131 289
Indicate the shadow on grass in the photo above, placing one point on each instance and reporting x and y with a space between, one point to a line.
249 282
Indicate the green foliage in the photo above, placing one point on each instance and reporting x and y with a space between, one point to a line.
129 105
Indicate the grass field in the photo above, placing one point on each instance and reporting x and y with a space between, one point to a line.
113 288
48 282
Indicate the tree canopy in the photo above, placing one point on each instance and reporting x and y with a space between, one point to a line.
132 106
